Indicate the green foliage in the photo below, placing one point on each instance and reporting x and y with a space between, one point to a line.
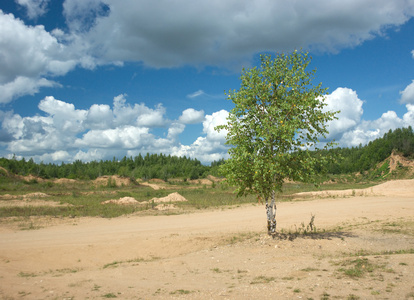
147 167
364 158
278 113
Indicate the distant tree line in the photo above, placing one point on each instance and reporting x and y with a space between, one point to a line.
144 167
351 160
364 158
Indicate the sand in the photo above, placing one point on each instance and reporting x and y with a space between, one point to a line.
221 254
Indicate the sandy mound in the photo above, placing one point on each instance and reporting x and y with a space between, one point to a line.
114 179
64 181
153 186
31 178
165 207
3 171
395 160
201 181
122 201
156 180
24 197
389 188
174 197
214 178
35 195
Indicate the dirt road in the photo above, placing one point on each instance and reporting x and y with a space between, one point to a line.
222 254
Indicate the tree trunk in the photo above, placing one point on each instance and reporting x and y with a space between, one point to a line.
271 215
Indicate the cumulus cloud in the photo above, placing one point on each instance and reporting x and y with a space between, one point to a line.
350 129
21 86
35 8
191 116
226 32
64 115
139 114
348 104
214 120
28 54
216 33
211 146
407 95
65 133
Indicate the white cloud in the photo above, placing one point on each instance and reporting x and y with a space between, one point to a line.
99 116
196 94
347 102
138 114
407 95
35 8
125 137
57 156
212 121
217 33
28 54
21 86
408 117
175 130
65 117
191 116
226 32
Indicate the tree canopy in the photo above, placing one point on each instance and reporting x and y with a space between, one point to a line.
278 114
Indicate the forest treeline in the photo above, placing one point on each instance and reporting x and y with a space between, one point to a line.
364 158
355 159
144 167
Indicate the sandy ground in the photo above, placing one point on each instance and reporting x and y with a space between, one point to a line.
222 254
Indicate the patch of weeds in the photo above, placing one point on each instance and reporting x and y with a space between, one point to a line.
30 226
181 292
109 295
66 270
216 270
353 297
296 290
243 236
309 269
96 287
388 252
375 293
24 274
241 271
403 264
135 260
288 278
325 296
389 287
358 267
112 264
262 279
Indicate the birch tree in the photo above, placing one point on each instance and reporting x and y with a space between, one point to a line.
278 114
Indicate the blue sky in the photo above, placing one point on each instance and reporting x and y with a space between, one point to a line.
94 79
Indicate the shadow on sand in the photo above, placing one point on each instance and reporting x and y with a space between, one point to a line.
328 235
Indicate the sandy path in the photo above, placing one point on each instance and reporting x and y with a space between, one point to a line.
183 255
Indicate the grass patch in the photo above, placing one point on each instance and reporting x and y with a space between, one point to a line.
242 236
357 268
109 295
115 264
26 275
309 269
262 279
181 292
